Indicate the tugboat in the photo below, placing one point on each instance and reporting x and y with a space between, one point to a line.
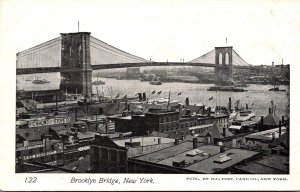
226 88
39 81
155 82
276 88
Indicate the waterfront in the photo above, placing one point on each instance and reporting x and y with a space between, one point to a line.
258 95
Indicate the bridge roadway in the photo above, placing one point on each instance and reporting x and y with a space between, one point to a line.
21 71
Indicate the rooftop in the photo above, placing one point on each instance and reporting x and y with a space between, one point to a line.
210 165
266 135
144 141
271 165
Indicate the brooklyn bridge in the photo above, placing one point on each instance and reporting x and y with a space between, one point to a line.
76 55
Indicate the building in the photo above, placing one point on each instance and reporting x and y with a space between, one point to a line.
167 122
191 157
111 155
274 164
45 151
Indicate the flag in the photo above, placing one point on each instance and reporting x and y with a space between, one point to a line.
211 98
117 95
153 92
179 93
158 93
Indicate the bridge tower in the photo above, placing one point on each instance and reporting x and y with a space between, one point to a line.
223 60
76 68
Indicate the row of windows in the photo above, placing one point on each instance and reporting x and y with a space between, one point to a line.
112 155
168 118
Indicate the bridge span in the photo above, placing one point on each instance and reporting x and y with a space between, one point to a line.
76 55
126 65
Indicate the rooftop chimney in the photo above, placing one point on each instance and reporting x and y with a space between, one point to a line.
159 140
282 120
140 97
176 141
261 120
195 143
224 132
247 106
222 149
270 110
144 96
209 111
187 101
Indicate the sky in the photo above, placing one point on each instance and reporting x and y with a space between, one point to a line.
259 31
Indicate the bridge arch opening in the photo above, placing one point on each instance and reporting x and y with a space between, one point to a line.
220 58
227 58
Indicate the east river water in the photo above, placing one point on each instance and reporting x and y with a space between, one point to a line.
258 97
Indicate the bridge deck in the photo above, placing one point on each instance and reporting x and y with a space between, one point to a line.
125 65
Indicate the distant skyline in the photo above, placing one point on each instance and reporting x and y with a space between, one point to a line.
259 31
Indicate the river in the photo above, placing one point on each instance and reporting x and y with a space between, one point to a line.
258 97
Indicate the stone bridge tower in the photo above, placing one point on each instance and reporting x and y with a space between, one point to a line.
223 70
76 68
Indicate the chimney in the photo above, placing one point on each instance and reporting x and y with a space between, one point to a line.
176 141
279 128
222 149
128 107
262 120
272 63
229 105
140 97
247 106
121 135
270 110
159 140
224 132
144 96
209 111
182 138
195 143
203 110
187 101
282 120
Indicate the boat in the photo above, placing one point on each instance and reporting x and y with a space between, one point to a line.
98 83
155 82
226 88
244 115
276 88
39 81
